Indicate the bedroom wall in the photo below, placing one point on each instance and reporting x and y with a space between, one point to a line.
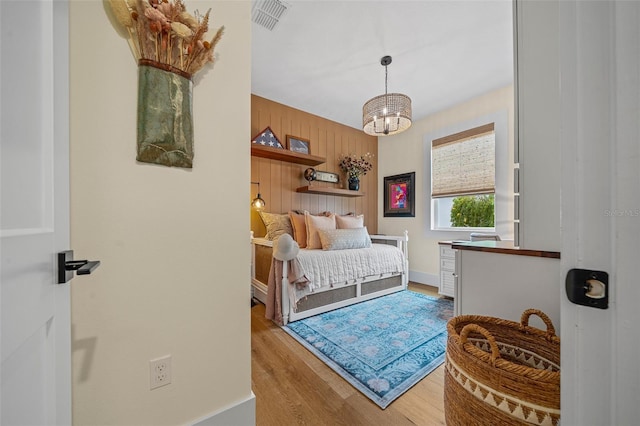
279 179
173 242
405 152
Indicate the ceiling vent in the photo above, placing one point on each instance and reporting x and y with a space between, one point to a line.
267 13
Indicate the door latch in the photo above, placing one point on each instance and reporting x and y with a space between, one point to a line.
66 266
588 288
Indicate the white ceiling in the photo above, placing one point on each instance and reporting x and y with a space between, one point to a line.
324 56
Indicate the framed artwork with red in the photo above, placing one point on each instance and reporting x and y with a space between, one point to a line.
399 195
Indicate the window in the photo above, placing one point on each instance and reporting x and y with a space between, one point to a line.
463 180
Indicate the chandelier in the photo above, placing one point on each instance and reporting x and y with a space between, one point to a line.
386 114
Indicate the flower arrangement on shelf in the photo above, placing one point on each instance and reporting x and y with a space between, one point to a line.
356 165
162 31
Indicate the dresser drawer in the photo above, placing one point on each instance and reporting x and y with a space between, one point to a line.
447 252
447 264
447 284
447 270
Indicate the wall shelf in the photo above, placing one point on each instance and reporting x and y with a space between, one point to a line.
325 190
285 155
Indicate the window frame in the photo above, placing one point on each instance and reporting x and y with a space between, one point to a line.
503 195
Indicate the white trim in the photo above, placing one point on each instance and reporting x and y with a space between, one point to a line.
503 192
240 413
23 232
424 278
259 290
600 46
295 316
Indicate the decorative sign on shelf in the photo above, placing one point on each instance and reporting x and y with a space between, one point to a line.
312 174
170 47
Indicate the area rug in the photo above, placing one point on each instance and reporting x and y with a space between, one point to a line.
382 346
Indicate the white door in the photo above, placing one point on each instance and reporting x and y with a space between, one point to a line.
600 137
34 221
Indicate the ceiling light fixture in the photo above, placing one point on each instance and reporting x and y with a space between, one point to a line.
386 114
258 203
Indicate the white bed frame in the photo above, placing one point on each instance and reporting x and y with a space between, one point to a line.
259 288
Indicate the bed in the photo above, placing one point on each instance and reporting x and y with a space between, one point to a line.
356 275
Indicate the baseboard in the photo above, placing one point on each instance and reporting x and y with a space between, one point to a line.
243 413
259 291
424 278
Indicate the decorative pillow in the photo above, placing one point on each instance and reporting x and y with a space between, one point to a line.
299 227
316 223
350 221
340 239
276 224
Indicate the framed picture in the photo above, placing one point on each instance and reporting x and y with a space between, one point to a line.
399 195
297 144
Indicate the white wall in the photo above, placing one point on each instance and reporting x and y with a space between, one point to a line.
173 242
538 97
404 153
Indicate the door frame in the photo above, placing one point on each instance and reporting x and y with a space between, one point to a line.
62 135
599 87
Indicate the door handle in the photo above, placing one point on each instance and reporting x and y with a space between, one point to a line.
66 266
588 288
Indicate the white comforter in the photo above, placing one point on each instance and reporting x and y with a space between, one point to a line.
332 268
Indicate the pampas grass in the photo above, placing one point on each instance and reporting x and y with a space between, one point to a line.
122 11
163 31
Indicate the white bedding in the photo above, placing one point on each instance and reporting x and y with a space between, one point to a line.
327 269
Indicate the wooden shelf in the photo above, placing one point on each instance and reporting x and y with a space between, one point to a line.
325 190
285 155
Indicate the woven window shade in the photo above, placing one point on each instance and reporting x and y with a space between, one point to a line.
464 163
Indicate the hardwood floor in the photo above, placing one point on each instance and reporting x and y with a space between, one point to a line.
293 387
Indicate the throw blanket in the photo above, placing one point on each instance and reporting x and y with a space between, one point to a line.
295 275
330 268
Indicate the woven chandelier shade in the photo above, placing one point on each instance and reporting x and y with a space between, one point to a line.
386 114
392 109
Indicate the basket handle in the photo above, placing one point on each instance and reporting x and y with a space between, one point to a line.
524 322
495 352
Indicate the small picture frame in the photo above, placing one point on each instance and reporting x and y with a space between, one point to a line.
297 144
399 195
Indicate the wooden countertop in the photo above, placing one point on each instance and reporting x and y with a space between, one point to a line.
502 247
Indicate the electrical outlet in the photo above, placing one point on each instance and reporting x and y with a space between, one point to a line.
160 371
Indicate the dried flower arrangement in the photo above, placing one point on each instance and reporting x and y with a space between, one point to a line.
356 165
162 31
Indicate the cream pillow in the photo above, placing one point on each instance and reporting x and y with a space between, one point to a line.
341 239
349 221
299 228
316 223
276 224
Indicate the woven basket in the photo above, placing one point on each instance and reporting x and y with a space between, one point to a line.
500 372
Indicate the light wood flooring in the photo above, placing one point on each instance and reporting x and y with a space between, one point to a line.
293 387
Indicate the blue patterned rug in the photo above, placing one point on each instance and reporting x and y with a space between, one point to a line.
382 346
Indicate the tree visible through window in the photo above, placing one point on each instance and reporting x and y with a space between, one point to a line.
473 211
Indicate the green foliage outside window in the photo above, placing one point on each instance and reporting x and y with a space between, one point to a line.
473 211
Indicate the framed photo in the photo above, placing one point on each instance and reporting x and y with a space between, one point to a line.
399 195
297 144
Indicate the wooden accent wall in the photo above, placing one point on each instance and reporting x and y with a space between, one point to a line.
279 179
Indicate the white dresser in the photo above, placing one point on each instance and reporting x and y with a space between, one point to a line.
496 279
447 269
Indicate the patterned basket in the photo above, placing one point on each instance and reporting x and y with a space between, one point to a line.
500 372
